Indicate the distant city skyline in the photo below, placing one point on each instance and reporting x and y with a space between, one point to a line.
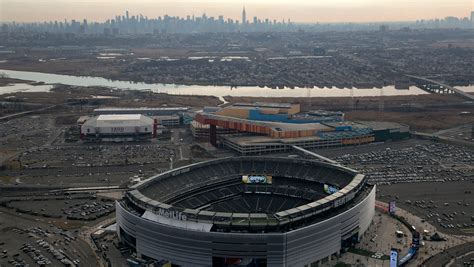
304 11
128 23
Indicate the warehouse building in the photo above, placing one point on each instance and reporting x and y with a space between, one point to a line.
388 131
168 121
118 128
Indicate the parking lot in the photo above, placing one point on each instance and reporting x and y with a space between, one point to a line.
35 152
95 155
40 243
448 206
27 132
82 207
408 161
433 180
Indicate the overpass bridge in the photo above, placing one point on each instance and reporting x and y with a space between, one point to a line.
306 152
432 86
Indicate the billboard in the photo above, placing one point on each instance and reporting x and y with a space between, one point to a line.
257 179
391 207
329 189
393 257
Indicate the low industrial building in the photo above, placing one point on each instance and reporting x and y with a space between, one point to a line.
82 120
325 115
385 131
201 131
168 121
118 128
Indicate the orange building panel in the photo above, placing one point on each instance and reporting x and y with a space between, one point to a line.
357 141
234 112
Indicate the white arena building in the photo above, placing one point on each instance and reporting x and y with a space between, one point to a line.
123 127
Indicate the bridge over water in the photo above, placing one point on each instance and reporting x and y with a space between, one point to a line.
432 86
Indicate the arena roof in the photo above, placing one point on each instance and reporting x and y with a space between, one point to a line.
141 109
119 120
122 117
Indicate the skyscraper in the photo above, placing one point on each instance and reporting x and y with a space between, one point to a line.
244 16
472 19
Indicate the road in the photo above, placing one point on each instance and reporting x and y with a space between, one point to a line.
455 90
450 256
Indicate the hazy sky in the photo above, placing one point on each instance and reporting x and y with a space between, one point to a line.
296 10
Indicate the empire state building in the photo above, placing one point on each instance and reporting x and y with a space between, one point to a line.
244 16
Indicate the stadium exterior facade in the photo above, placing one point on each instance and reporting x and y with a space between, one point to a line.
159 226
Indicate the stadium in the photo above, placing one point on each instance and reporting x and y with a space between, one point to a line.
247 211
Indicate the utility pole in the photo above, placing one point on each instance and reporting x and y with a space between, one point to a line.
352 99
381 101
308 96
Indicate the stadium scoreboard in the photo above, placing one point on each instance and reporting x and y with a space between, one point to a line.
257 179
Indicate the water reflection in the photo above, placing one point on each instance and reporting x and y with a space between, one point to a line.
218 91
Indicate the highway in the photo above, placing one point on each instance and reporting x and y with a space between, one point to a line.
448 140
455 90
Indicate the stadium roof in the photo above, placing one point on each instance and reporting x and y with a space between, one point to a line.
148 196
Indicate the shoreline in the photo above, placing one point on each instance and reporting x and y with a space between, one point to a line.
112 77
123 77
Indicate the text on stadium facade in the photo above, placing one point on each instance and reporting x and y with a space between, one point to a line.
172 214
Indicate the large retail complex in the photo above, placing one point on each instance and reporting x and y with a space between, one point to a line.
272 127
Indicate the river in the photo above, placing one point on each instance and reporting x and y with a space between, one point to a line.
218 91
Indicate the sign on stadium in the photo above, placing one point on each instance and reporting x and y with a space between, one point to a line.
329 189
391 207
256 179
171 214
